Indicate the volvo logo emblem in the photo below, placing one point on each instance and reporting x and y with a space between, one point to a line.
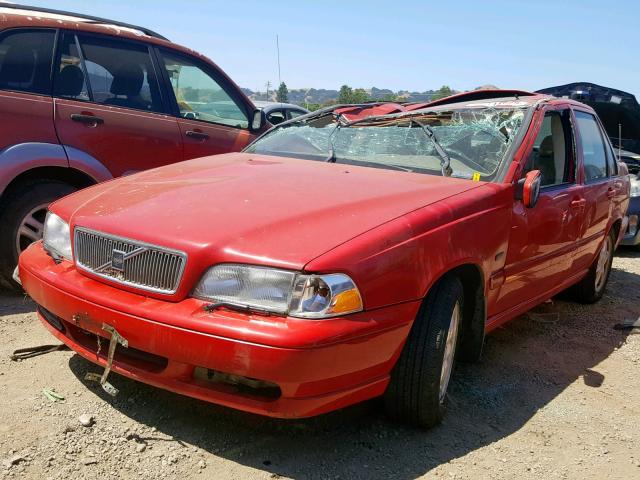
119 258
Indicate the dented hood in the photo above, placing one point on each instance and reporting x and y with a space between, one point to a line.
253 209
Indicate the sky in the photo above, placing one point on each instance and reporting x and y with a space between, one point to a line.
401 45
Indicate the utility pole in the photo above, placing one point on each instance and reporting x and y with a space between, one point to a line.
268 85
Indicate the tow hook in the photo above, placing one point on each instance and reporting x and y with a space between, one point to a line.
113 342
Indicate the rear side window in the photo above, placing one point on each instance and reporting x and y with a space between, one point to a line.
106 71
593 148
295 113
25 60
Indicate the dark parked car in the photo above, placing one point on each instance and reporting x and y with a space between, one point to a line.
277 112
84 99
619 112
632 235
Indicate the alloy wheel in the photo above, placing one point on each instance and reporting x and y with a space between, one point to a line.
602 267
449 351
31 227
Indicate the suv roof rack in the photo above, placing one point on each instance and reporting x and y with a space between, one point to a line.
90 18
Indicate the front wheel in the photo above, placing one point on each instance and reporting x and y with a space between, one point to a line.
417 391
22 218
591 288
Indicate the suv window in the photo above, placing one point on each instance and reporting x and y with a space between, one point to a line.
552 152
25 60
593 149
199 95
119 73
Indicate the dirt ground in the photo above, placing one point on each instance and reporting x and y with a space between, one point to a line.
556 396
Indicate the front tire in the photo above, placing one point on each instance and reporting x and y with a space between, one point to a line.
591 288
22 218
417 391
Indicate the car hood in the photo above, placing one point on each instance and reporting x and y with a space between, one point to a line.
253 209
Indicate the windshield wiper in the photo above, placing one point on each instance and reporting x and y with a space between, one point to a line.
445 161
332 150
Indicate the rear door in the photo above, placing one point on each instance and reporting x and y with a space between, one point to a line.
26 108
601 184
211 115
543 238
109 104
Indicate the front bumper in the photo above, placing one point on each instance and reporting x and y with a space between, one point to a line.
631 236
318 365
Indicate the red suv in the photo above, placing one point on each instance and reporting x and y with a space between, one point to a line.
343 255
84 99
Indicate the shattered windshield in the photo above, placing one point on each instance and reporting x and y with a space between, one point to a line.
474 140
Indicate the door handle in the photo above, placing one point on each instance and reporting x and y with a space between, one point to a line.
579 203
90 120
611 192
196 135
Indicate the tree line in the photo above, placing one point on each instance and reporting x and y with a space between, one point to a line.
349 95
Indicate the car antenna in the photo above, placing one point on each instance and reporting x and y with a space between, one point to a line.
619 141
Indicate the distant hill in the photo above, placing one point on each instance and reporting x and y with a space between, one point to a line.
313 95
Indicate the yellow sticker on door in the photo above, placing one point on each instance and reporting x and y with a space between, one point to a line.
476 176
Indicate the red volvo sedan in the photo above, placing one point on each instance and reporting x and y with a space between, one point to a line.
346 254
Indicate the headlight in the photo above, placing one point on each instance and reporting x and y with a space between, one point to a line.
635 186
57 237
280 291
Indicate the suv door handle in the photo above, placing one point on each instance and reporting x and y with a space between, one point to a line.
579 203
611 192
196 135
90 120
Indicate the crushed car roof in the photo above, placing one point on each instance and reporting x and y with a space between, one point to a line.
496 98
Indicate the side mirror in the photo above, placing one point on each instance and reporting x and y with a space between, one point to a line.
528 188
258 119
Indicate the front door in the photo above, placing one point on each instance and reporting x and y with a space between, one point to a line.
542 239
211 117
109 105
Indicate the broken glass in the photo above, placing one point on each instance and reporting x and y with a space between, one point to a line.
476 140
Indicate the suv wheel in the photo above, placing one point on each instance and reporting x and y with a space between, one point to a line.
417 391
22 217
591 288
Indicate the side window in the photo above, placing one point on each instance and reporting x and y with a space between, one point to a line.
25 60
612 158
199 95
295 113
552 152
276 117
593 147
69 81
118 73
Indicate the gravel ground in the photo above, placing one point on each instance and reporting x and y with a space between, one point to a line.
557 395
